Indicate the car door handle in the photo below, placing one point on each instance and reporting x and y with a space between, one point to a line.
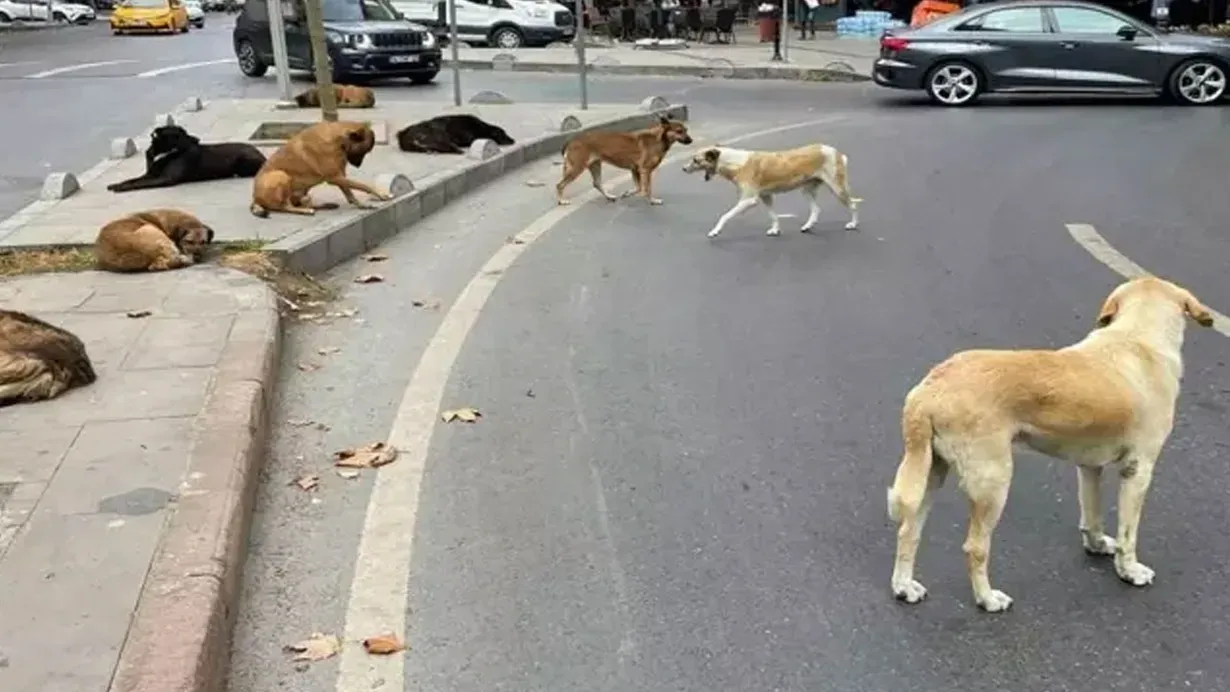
1068 45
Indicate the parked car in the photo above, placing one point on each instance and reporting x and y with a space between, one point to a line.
149 16
365 39
500 23
45 11
1050 46
196 13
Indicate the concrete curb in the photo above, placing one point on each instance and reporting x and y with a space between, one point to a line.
789 72
317 250
180 637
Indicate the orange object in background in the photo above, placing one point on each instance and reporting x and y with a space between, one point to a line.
928 10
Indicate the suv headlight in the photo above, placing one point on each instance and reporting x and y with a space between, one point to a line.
361 41
540 13
429 39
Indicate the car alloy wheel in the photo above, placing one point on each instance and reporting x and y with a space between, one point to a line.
508 38
953 84
249 63
1199 82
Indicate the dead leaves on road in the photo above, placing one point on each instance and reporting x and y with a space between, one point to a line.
465 414
307 482
370 456
369 279
138 314
319 647
384 644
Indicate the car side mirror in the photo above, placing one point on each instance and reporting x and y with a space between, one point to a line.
1127 33
398 15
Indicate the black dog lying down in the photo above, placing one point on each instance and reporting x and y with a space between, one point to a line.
175 157
449 134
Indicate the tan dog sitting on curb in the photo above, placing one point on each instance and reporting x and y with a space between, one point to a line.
1105 401
315 155
640 152
152 240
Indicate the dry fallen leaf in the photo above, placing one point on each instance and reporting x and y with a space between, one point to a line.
466 414
374 257
348 475
426 304
138 314
307 482
384 644
315 648
308 367
300 423
322 427
328 350
534 183
515 240
369 279
348 312
370 456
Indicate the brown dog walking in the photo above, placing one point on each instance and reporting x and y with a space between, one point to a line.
640 152
316 155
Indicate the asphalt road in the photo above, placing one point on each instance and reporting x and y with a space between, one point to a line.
678 480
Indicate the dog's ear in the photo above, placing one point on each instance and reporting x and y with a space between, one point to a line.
356 136
1196 310
209 234
176 233
664 120
712 155
1109 309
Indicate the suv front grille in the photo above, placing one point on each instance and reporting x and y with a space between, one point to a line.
563 18
405 39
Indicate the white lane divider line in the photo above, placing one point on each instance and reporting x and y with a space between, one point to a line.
379 589
74 68
185 66
1088 237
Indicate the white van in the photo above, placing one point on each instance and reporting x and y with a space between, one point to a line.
499 23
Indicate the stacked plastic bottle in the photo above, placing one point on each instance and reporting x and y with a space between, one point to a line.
866 24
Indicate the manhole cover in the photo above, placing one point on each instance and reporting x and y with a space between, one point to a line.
6 491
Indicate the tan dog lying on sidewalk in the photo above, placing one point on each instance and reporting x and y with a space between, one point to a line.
152 240
38 360
640 152
1106 400
315 155
347 96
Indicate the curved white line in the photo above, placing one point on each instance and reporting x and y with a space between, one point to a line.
75 68
1088 237
185 66
378 592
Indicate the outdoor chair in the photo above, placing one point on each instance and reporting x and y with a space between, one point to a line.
627 24
726 24
691 21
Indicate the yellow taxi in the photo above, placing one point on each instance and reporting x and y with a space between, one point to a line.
149 16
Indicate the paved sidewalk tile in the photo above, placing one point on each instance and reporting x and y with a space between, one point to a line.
89 480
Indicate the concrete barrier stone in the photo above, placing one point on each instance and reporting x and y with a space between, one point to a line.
123 147
569 123
164 119
395 184
483 149
601 61
719 67
838 66
490 98
192 105
654 103
59 186
503 61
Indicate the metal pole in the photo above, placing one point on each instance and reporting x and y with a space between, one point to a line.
582 68
787 4
320 61
277 35
452 44
777 38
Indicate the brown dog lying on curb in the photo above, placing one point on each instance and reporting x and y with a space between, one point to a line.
347 97
315 155
39 361
1108 400
640 152
153 240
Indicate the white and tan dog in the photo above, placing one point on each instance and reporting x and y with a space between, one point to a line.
761 174
1106 400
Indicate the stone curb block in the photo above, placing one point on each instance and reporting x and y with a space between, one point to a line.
192 105
163 119
317 250
395 184
787 72
503 62
123 147
59 186
482 149
180 635
569 123
490 97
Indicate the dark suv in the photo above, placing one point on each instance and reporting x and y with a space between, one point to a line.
366 39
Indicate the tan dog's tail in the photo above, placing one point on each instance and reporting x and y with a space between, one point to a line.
910 485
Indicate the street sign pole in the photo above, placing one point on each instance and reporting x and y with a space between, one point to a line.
277 35
785 30
453 48
578 38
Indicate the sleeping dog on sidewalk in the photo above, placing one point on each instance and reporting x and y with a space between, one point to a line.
761 174
175 157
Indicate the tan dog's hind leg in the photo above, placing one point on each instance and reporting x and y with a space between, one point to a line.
986 475
1093 535
1134 478
595 176
26 379
347 186
167 256
909 535
305 200
573 169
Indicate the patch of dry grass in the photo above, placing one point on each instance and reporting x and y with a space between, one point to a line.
42 261
293 286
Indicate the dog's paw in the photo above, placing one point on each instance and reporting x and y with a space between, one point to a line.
806 228
852 226
909 591
995 602
773 231
1135 574
563 202
655 201
714 232
1099 544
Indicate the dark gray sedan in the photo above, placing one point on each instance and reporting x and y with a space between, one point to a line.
1050 46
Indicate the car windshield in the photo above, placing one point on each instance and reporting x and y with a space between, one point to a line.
147 4
356 10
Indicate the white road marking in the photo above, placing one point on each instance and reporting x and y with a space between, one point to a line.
378 591
75 68
185 66
1088 237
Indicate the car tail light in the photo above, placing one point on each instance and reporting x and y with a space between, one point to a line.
893 44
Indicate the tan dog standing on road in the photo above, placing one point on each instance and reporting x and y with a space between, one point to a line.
152 240
315 155
1106 400
39 360
347 97
640 152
